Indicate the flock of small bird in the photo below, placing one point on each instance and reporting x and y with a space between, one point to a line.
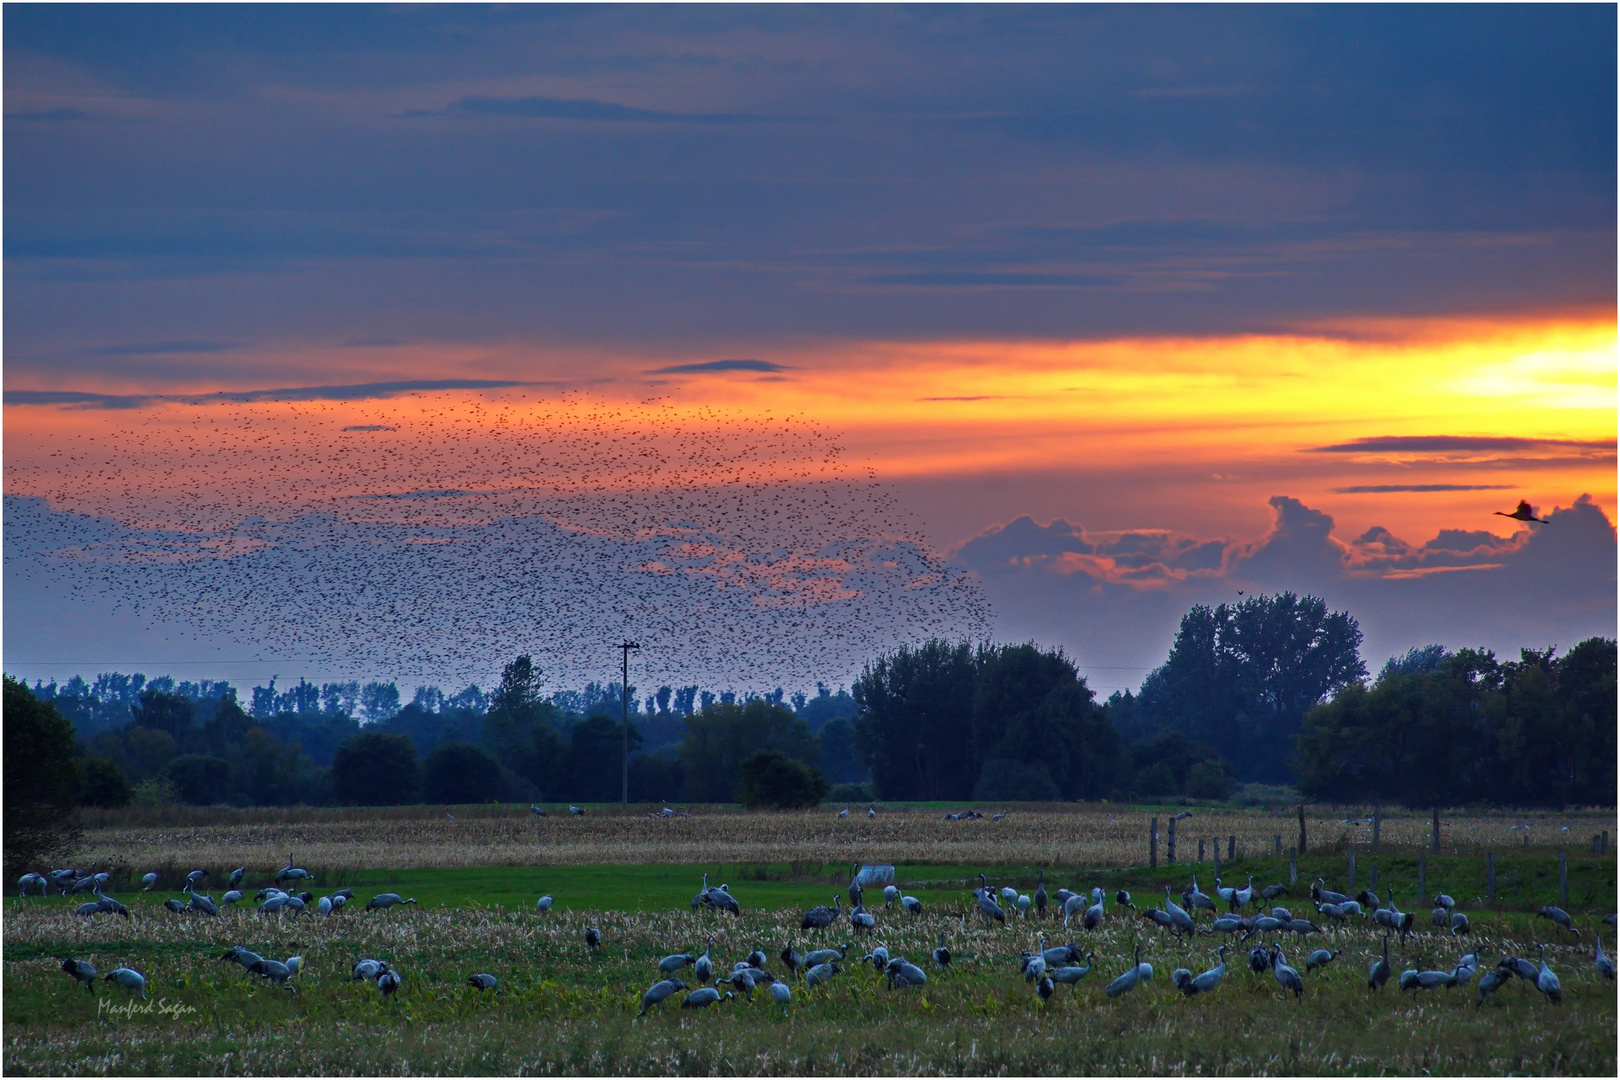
450 534
1045 968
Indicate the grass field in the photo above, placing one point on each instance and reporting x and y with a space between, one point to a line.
563 1010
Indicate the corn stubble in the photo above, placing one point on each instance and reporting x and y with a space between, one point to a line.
562 1010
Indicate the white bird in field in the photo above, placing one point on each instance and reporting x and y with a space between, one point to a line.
543 904
147 881
781 995
577 811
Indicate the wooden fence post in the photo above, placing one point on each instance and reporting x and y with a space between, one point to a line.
1293 866
1490 876
1435 839
1563 880
1352 872
1302 846
1153 843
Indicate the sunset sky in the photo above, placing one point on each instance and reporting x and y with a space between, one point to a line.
1124 309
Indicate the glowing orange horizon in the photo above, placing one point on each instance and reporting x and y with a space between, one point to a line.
1213 425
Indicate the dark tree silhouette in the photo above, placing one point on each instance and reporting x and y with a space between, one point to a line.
376 769
1242 676
769 778
41 781
457 772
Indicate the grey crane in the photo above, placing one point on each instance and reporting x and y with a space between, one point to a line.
148 881
193 878
1076 902
1414 980
1440 917
1559 916
1546 981
825 956
1180 921
674 962
820 975
1227 893
1286 976
387 900
1524 969
911 904
1320 958
92 909
1062 897
1246 895
1209 980
246 957
204 904
1045 988
819 918
32 883
1127 982
1196 898
1159 918
1230 924
1282 913
890 894
703 997
236 877
543 904
1467 964
134 981
365 970
171 904
781 995
942 953
1459 924
1023 902
83 971
1490 983
1332 911
276 971
577 811
112 907
536 811
593 938
879 957
1378 972
703 894
1604 965
481 981
793 960
388 982
861 919
988 908
1271 892
903 973
1072 973
1323 895
1040 893
703 966
325 906
721 899
293 873
1444 901
1009 895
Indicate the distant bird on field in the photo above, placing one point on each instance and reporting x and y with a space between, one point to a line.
387 900
83 971
482 981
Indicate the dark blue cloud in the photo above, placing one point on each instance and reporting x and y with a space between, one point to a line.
247 173
348 392
717 367
1383 444
1392 489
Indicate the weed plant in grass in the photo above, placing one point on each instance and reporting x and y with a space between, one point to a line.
563 1010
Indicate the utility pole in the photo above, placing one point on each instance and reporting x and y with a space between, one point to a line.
624 700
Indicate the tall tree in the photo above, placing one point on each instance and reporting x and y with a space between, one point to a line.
41 780
915 721
720 736
1242 676
376 769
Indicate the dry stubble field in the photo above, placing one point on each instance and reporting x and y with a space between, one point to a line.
562 1010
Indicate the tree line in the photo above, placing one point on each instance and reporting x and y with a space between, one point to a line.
1271 690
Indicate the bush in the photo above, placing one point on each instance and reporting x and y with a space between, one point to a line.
769 778
458 772
1007 780
850 793
155 792
1208 780
102 783
376 769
